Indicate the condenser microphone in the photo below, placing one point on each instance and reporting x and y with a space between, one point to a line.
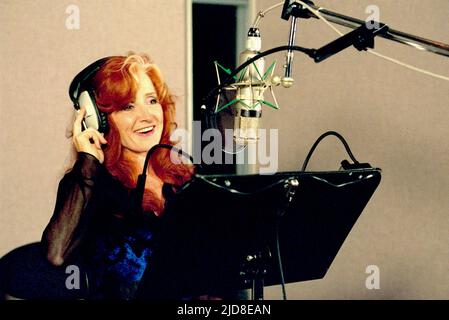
250 88
293 9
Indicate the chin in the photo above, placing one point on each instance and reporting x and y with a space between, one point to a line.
148 147
139 147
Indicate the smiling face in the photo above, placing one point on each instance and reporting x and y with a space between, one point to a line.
140 122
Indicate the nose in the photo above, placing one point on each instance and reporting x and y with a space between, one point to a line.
142 111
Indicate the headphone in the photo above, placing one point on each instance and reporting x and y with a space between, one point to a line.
82 94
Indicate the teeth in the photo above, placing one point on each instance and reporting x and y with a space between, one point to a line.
145 130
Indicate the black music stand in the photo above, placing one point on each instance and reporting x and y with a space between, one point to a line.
218 233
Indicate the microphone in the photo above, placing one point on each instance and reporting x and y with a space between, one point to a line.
287 80
295 10
250 89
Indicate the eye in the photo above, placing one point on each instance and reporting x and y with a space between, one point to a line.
152 100
129 106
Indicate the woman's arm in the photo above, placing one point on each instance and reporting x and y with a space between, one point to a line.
70 219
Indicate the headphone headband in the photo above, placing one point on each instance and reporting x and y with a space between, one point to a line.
79 82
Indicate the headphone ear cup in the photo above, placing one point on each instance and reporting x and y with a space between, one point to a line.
104 125
81 97
94 118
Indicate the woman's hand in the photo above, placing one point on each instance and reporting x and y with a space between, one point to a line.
89 140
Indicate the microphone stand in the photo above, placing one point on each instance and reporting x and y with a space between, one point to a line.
393 35
295 9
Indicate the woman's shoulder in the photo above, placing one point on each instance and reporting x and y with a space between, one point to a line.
88 172
89 167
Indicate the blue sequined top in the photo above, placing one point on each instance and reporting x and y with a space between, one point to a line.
119 262
93 219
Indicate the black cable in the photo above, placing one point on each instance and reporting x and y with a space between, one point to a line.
210 115
278 253
140 186
324 135
163 146
309 52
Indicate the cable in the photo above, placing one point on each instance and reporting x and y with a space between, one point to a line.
278 251
137 194
281 270
403 64
318 14
324 135
230 78
262 14
163 146
210 115
408 65
310 53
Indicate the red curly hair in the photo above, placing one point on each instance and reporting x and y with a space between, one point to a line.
115 86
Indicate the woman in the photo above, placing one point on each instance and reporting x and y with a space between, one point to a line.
93 218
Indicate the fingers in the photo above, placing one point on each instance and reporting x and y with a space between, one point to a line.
96 137
77 125
102 139
89 140
90 133
85 140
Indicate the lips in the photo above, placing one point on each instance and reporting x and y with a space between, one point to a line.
145 131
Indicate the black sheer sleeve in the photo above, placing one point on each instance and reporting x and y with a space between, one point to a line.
70 221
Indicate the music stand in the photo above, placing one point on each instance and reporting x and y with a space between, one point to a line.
218 232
